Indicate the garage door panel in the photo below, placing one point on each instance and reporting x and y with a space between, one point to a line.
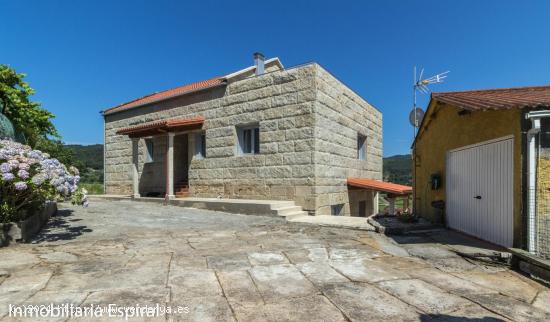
483 170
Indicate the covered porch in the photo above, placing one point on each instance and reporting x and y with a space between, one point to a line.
169 149
392 191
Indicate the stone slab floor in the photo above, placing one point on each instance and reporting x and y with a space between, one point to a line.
227 267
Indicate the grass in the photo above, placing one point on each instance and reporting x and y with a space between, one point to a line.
93 188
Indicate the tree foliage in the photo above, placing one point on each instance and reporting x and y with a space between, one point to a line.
57 149
28 118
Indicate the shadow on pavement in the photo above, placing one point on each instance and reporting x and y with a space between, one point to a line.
59 228
450 318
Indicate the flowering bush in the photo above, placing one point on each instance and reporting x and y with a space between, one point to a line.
29 178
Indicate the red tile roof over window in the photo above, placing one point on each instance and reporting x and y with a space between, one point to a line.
378 185
163 126
166 94
502 98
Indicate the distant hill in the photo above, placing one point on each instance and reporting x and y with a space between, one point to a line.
89 159
397 169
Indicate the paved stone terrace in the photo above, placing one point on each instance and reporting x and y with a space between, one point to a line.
228 267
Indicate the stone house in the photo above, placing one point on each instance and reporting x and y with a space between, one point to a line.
482 165
263 132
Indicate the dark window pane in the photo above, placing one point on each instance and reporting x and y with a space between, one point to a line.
361 147
247 140
337 209
256 140
150 152
203 145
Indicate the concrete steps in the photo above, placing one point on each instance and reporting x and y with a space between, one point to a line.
289 211
181 189
276 208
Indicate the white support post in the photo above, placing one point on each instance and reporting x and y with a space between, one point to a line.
375 202
170 167
135 164
405 203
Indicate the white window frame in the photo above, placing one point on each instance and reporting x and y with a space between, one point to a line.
361 147
200 146
240 139
149 150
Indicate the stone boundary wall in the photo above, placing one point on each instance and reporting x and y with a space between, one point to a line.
24 230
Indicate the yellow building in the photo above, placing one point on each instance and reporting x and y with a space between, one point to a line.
481 163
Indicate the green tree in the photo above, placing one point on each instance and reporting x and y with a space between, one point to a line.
58 150
28 118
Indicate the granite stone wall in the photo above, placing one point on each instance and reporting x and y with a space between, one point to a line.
340 116
308 129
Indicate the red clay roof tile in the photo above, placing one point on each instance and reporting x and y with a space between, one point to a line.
162 126
378 185
166 94
502 98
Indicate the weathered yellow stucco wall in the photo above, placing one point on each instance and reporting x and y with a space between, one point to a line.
444 129
543 207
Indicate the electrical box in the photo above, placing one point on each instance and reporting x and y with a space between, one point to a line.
435 180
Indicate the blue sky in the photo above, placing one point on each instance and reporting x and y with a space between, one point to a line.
84 56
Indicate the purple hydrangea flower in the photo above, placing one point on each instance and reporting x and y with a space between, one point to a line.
24 166
23 174
8 176
5 167
38 179
19 186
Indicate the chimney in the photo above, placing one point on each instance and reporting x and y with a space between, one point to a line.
259 60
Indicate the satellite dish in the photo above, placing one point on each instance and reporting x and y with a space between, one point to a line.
416 116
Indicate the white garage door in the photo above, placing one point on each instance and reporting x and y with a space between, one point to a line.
479 185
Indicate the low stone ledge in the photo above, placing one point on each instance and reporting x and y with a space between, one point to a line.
538 268
391 225
24 230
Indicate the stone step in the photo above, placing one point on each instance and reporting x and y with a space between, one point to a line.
287 209
295 214
278 204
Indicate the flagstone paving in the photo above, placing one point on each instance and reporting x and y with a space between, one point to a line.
228 267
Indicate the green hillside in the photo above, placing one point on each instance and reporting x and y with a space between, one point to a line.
89 159
397 169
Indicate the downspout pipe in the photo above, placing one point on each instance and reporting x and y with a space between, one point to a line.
532 133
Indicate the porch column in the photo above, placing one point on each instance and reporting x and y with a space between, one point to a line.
391 200
170 167
375 202
405 202
135 164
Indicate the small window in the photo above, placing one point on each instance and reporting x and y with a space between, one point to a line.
150 148
336 210
361 147
249 140
200 145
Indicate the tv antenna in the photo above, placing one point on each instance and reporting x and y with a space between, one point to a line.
421 85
